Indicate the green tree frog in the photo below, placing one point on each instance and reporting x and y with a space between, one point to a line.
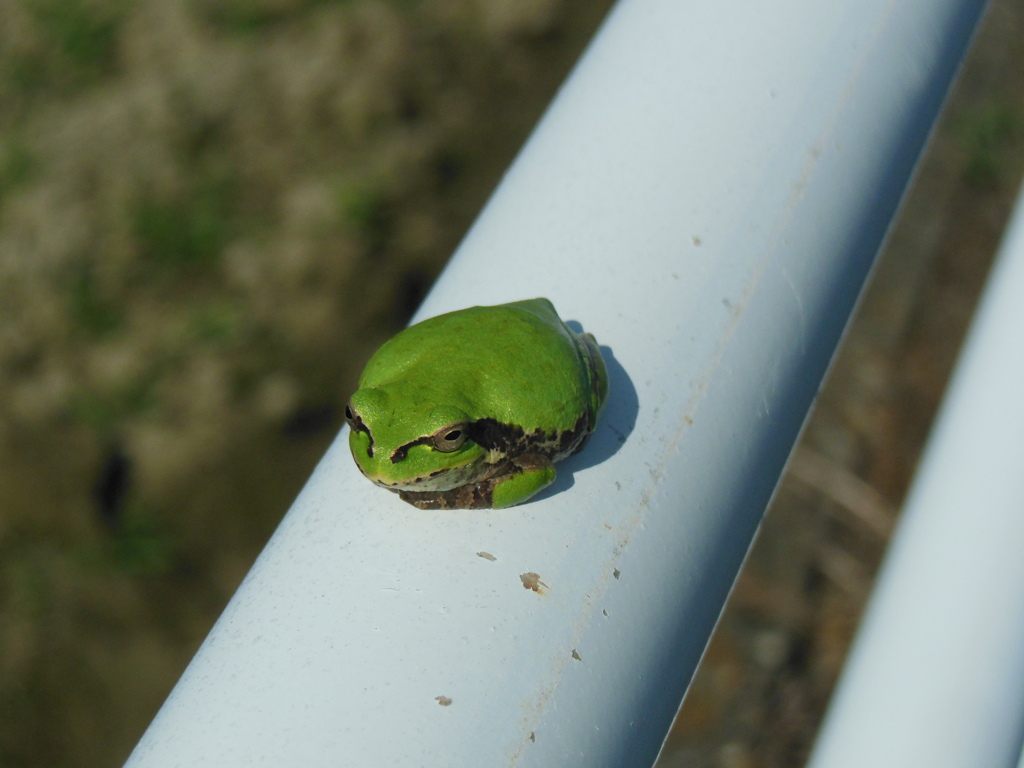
471 409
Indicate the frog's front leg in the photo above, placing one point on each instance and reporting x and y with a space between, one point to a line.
530 474
516 481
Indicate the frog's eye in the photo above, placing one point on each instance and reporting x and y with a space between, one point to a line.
450 439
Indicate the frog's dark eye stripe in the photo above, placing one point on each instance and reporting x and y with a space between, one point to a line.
446 440
402 451
355 423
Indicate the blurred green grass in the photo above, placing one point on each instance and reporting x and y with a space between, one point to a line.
77 45
990 134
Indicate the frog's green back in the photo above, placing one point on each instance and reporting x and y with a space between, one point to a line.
517 363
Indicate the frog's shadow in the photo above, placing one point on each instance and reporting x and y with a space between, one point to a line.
613 427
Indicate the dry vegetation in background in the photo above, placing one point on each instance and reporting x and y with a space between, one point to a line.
211 211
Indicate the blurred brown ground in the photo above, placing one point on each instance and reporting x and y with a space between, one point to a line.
212 211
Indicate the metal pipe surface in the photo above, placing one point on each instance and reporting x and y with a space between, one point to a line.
706 195
936 673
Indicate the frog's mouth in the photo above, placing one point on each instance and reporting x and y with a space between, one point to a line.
438 480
